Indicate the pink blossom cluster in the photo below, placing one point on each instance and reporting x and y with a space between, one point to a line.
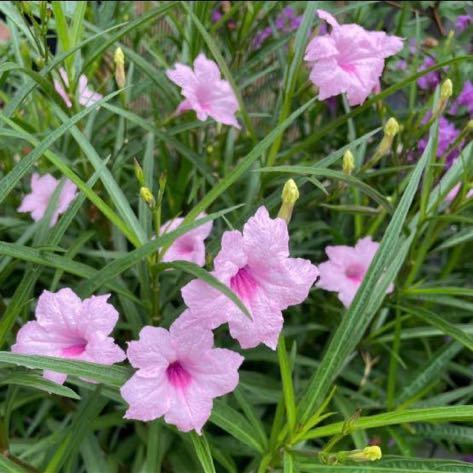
179 371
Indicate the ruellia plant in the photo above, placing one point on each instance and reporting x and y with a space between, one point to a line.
236 237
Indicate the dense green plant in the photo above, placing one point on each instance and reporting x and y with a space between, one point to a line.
392 370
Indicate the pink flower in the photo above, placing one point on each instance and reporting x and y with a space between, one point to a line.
67 327
179 374
42 190
256 265
454 192
86 96
188 247
350 59
205 92
346 268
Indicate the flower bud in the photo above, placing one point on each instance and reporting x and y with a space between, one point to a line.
289 196
446 89
469 126
147 196
371 453
119 59
348 162
391 128
139 173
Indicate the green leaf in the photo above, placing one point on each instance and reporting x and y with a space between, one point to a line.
428 373
368 297
443 325
109 375
202 450
88 410
235 424
329 173
433 414
9 466
391 465
31 380
287 384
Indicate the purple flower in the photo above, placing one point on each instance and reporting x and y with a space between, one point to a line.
287 20
468 458
430 80
465 99
401 65
216 15
463 22
448 133
261 37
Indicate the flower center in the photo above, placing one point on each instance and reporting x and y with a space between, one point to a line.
355 272
186 247
177 375
243 284
74 350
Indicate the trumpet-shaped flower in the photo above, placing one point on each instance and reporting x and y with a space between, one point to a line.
42 190
256 265
86 96
346 268
349 60
188 247
179 374
67 327
205 92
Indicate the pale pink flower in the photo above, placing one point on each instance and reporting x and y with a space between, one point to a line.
454 192
67 327
86 96
179 374
256 265
42 190
346 268
190 246
349 60
205 92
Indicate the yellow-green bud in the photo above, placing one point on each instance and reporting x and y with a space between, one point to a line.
119 57
469 126
290 192
348 162
120 76
139 173
391 128
446 89
147 196
371 453
289 196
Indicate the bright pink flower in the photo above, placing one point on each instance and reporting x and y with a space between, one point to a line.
256 265
205 92
188 247
179 374
346 268
42 189
67 327
86 96
350 59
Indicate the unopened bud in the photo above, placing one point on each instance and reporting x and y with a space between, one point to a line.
348 162
391 128
371 453
120 76
469 126
139 173
290 192
446 89
147 196
289 196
